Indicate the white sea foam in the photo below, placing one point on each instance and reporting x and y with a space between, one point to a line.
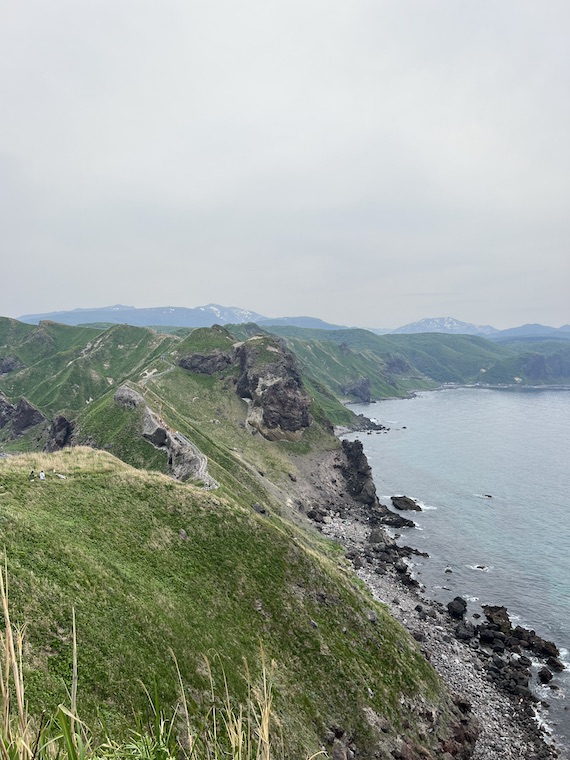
481 568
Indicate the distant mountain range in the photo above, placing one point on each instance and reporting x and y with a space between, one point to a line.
533 331
206 316
445 325
174 316
160 316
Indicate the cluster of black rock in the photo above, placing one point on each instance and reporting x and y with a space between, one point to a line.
384 554
504 649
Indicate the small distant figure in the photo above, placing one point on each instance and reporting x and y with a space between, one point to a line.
32 475
42 475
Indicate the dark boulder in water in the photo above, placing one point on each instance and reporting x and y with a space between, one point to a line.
392 520
545 675
405 503
499 617
457 607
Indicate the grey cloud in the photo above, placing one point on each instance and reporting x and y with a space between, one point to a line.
303 157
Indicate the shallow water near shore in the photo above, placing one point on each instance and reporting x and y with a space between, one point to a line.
491 469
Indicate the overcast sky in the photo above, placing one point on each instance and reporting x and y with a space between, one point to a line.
369 162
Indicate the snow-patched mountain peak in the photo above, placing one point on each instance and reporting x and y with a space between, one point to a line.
445 325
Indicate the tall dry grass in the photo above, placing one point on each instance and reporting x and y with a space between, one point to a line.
224 731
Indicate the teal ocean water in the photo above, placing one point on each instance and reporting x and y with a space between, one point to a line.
451 450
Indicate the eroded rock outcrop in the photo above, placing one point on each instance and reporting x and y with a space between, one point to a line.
279 405
268 379
361 389
207 364
128 397
23 415
358 473
184 459
6 410
26 415
60 433
357 480
10 364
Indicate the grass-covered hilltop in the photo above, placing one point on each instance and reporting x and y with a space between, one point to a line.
174 523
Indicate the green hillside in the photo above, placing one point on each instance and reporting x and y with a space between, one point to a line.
151 564
67 367
545 363
339 366
397 364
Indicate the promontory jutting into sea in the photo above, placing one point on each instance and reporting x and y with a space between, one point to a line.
490 470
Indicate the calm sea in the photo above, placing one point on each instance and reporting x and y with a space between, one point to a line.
452 450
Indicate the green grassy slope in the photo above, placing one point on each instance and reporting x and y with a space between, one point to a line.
32 342
106 425
431 359
208 411
68 366
448 358
546 363
205 339
107 540
12 333
339 365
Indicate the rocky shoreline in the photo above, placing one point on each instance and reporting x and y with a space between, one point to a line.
484 661
509 729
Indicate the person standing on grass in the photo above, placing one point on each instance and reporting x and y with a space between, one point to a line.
32 476
42 475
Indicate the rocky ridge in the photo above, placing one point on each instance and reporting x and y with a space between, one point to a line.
268 379
184 459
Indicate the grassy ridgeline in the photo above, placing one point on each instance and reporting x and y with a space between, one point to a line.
106 539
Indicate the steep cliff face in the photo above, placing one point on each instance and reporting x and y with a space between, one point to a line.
270 380
360 389
6 410
22 415
60 433
358 473
207 364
